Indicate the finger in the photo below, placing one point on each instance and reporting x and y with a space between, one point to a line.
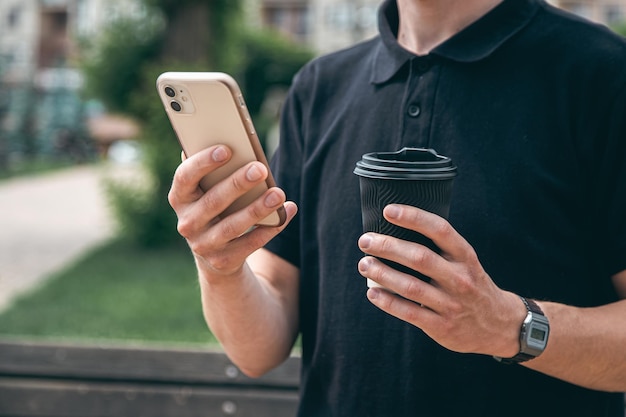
403 309
260 236
412 255
223 255
406 285
239 222
432 226
186 182
219 197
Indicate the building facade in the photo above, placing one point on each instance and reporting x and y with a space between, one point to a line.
324 25
608 12
328 25
39 79
19 24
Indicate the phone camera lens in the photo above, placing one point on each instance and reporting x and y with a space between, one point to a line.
170 91
176 106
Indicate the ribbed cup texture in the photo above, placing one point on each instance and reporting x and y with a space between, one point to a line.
430 195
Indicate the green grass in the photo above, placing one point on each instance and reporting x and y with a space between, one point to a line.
116 292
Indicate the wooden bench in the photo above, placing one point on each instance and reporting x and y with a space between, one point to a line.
47 380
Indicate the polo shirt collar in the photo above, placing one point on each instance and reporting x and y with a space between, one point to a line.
475 42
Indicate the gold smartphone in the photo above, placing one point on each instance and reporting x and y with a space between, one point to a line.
208 108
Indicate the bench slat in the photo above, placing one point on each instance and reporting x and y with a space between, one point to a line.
135 364
54 380
47 398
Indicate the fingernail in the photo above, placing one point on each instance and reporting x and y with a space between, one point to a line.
219 154
254 173
273 199
373 293
365 241
364 264
393 212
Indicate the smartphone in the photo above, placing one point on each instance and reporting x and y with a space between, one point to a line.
206 109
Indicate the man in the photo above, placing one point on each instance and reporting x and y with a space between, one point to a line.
529 103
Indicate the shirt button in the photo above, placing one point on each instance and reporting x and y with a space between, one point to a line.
414 110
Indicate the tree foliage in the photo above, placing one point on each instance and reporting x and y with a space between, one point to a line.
111 64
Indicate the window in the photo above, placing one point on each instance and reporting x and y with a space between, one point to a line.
290 20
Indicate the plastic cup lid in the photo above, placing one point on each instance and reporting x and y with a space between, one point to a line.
406 164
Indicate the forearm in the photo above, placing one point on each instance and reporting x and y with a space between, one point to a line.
587 346
255 322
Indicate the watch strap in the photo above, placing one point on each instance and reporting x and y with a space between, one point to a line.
531 305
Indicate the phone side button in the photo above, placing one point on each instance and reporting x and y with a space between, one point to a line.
246 115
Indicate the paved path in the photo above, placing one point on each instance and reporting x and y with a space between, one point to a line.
48 221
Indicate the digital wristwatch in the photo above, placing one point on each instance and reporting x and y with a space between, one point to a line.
533 337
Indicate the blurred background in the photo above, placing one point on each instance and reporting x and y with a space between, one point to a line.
88 242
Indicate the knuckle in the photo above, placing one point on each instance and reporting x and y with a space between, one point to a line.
473 261
172 198
197 247
256 212
211 203
418 257
414 289
413 315
377 272
221 261
181 176
199 164
386 244
239 183
184 227
455 308
386 303
442 229
204 244
206 248
447 328
176 200
463 284
228 230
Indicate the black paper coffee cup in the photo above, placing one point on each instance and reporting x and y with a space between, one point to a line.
413 176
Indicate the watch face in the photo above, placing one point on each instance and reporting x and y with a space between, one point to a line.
537 335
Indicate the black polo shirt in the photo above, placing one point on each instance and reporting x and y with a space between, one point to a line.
530 103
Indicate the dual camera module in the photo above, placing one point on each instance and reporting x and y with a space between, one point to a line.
174 104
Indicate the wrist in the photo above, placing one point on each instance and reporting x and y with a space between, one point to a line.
510 342
212 275
533 334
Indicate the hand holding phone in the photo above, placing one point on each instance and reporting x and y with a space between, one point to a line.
206 109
